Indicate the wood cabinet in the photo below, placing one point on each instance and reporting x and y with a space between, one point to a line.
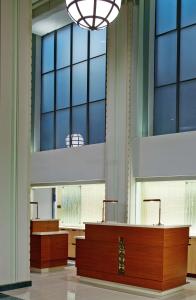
48 245
48 250
192 257
72 233
143 256
44 225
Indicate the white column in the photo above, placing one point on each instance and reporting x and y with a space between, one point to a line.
117 115
15 103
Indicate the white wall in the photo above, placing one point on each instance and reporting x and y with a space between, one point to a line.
166 155
68 165
44 198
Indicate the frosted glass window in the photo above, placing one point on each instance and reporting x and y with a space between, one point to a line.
97 78
172 195
62 127
188 15
47 131
178 202
97 122
166 11
69 200
165 110
188 106
79 121
79 83
190 205
166 57
63 88
48 53
187 56
97 42
48 92
63 47
77 204
80 42
91 203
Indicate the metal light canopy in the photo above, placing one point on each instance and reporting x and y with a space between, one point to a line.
93 14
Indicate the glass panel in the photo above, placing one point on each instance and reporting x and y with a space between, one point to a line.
91 204
48 53
187 56
97 122
187 106
166 11
47 132
172 195
62 127
63 88
69 200
97 42
97 78
79 84
165 110
79 121
166 56
48 92
188 12
190 206
63 47
80 41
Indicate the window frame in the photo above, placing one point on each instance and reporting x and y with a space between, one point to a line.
87 103
179 28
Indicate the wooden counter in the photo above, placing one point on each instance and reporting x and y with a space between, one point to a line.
153 257
39 225
72 233
49 246
192 257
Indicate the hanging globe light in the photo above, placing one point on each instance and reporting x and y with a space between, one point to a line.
93 14
75 140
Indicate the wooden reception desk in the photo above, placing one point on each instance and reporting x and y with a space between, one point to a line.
151 257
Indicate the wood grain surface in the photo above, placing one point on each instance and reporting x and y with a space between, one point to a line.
154 258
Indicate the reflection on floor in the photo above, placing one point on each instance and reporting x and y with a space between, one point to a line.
7 297
65 285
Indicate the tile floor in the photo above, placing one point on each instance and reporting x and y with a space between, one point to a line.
64 285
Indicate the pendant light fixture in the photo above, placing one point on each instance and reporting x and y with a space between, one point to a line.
93 14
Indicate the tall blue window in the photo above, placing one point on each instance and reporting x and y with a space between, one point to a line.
73 87
175 66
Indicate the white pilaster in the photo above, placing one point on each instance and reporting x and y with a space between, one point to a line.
117 115
15 97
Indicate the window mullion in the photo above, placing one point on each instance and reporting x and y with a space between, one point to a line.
88 90
178 64
55 82
71 84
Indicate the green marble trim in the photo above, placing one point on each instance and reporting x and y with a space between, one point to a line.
33 90
43 6
14 137
13 286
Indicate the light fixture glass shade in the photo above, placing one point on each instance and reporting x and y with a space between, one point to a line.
75 140
93 14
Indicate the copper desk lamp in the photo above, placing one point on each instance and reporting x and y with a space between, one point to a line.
104 206
156 200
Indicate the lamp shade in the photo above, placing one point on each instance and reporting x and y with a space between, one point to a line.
93 14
